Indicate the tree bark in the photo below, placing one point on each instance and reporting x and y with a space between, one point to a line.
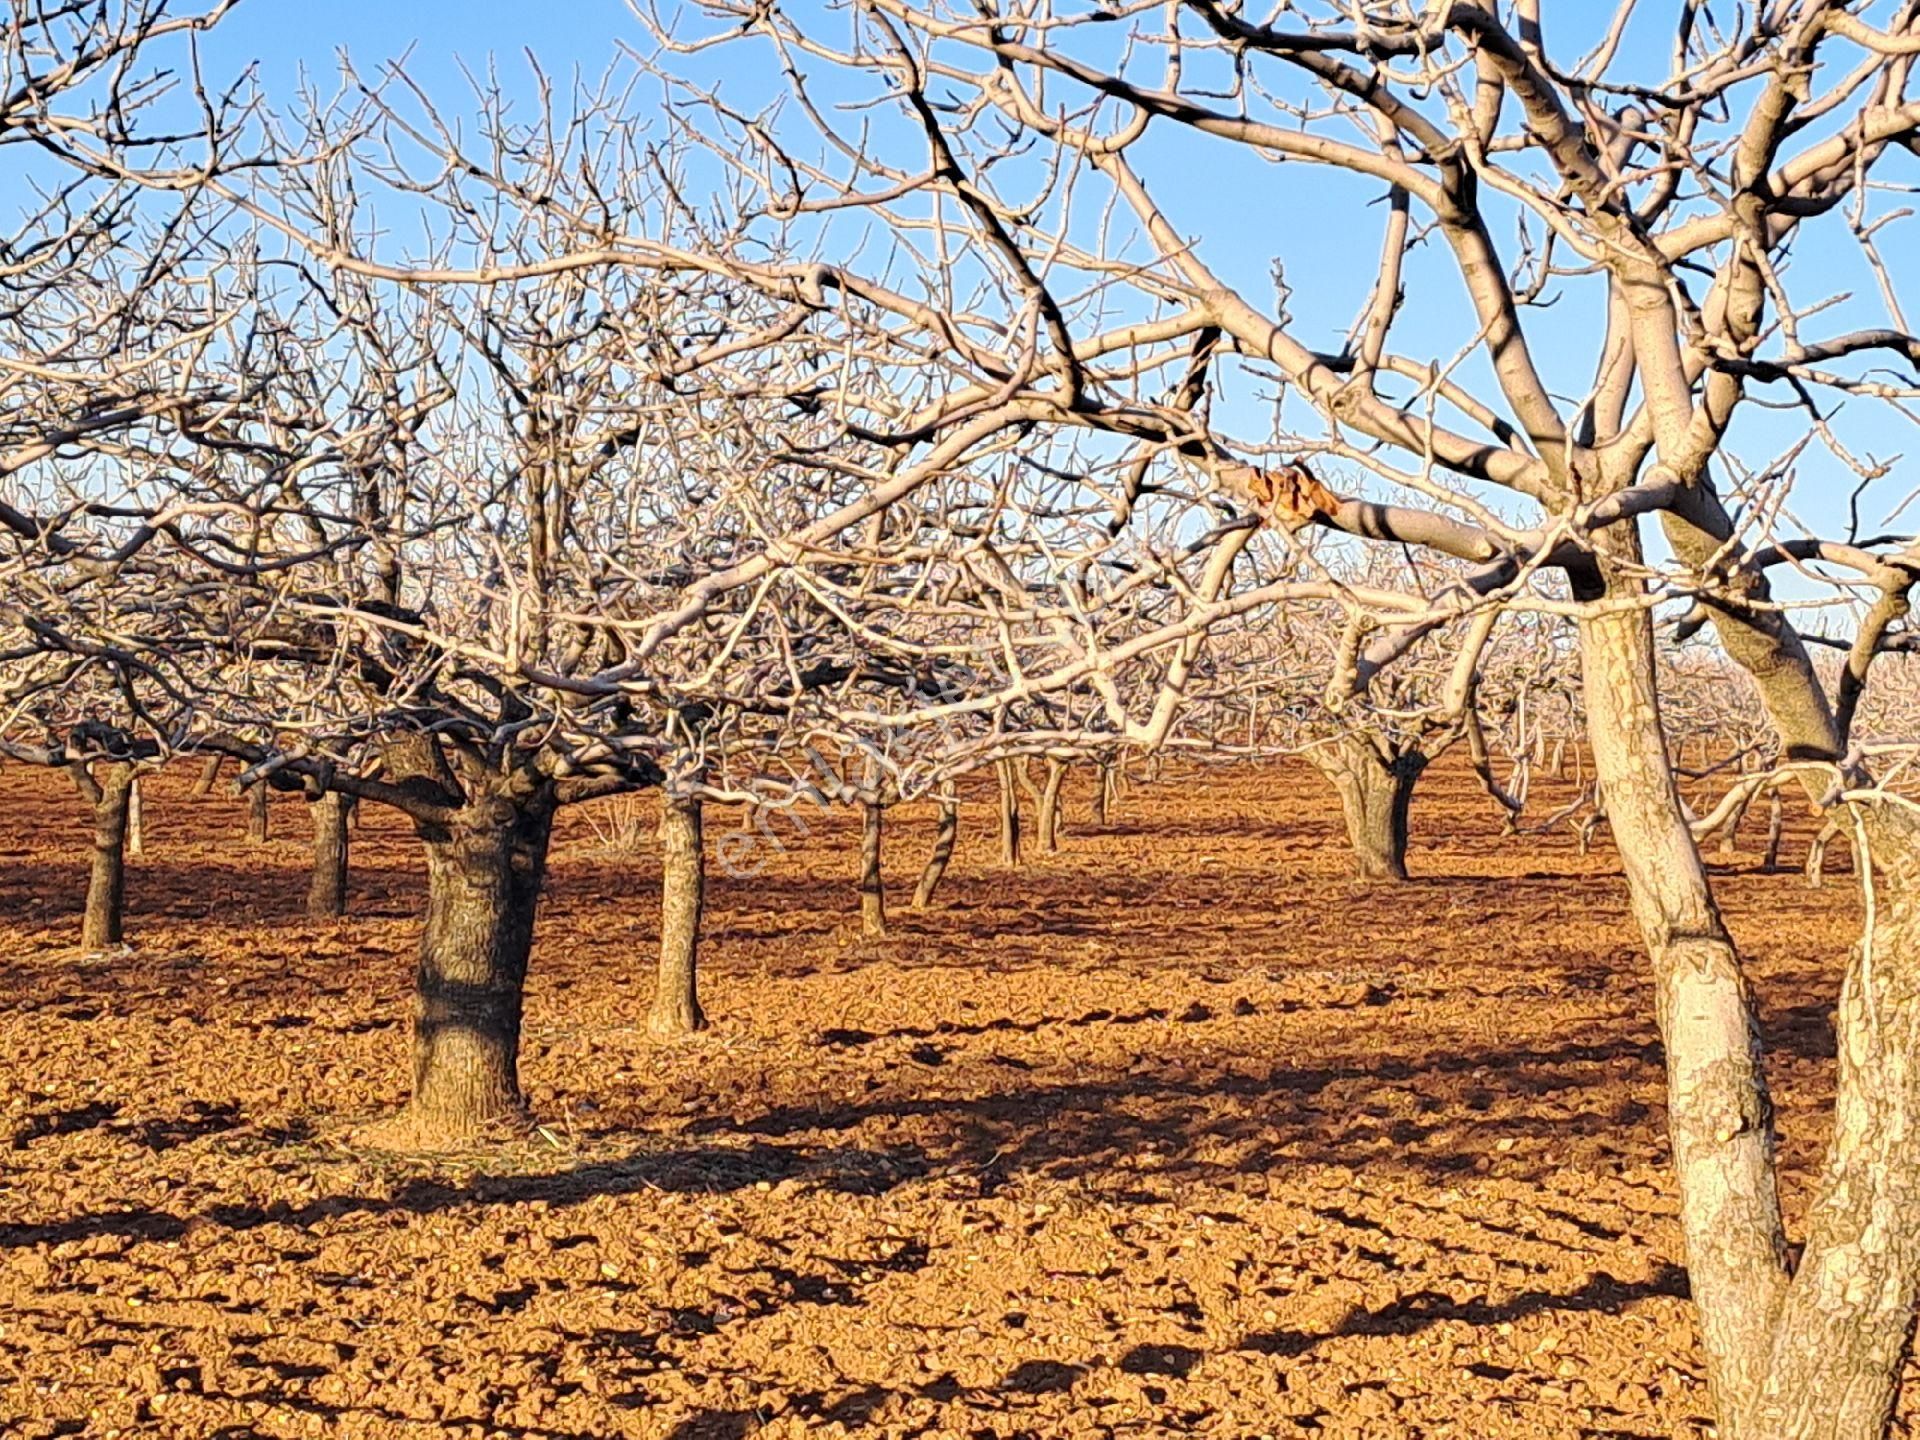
1375 795
209 773
1730 831
485 870
257 815
107 786
136 820
683 880
1719 1113
1776 828
873 892
943 842
1009 814
1050 806
1102 787
327 890
1834 1367
1817 854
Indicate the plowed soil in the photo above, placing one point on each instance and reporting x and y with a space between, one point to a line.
1177 1132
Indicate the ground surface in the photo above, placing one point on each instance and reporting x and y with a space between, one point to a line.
1176 1132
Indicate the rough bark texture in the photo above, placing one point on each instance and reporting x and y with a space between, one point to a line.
327 890
257 814
873 891
1719 1112
485 869
1376 791
106 786
943 842
1833 1370
683 883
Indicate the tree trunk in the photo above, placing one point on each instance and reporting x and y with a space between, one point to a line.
1730 829
1559 763
943 842
257 813
209 773
1817 854
107 786
484 874
1050 806
1719 1113
1102 785
1776 827
1834 1367
1009 814
327 891
683 883
873 892
1375 794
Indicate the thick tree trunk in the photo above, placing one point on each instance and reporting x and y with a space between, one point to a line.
943 842
484 875
257 815
107 786
1719 1113
1834 1367
683 881
1375 794
873 892
1009 814
1050 806
327 890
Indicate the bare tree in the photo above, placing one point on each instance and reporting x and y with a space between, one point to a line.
1669 190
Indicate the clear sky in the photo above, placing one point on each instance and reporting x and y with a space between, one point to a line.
1245 210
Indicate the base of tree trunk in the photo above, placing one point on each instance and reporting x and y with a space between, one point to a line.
1375 793
676 1019
414 1131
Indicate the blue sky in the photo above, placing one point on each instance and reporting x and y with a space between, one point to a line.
284 35
1246 211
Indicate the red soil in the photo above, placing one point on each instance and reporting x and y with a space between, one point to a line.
1177 1132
